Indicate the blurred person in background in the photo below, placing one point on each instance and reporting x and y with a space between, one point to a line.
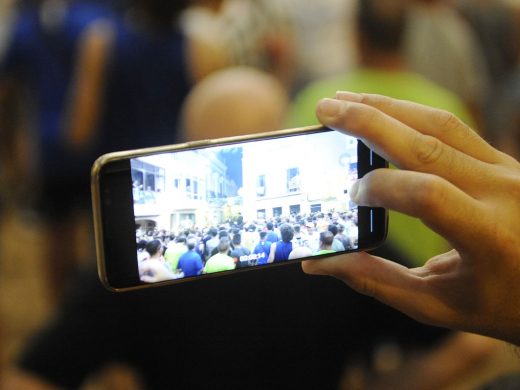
496 24
253 33
504 130
36 71
440 45
9 167
295 40
99 77
219 94
381 27
324 38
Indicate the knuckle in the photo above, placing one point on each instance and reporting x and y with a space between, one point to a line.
358 117
364 286
373 99
505 183
365 98
512 184
385 102
503 231
508 160
449 121
429 193
496 232
459 131
427 150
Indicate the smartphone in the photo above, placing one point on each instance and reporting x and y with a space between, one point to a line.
195 210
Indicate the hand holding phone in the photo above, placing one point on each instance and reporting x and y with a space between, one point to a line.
206 208
461 187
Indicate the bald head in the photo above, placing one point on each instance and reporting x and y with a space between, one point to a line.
234 101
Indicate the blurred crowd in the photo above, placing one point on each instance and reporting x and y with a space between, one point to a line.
79 78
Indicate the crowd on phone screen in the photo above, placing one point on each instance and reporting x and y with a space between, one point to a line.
163 254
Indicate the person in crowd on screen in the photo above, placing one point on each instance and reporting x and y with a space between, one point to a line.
262 249
142 253
280 250
250 236
222 234
326 243
300 252
342 237
239 251
175 250
221 261
154 268
212 242
271 234
337 245
299 236
190 263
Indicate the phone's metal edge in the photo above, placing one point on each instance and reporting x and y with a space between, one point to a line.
116 156
96 216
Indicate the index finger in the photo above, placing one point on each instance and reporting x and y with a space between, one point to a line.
438 123
403 145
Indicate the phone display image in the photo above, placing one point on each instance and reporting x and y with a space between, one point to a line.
204 208
241 205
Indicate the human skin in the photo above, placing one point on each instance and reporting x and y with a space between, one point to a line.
459 186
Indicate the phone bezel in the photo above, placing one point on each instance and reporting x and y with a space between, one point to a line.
108 192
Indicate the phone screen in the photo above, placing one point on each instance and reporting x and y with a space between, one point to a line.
246 204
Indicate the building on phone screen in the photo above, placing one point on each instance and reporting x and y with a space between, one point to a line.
256 180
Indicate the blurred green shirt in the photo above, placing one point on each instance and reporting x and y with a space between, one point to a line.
407 234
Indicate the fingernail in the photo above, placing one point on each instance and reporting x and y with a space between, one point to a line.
346 95
354 191
330 108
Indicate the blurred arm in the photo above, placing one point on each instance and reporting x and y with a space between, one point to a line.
87 86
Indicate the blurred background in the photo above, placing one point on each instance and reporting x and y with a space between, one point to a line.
81 78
